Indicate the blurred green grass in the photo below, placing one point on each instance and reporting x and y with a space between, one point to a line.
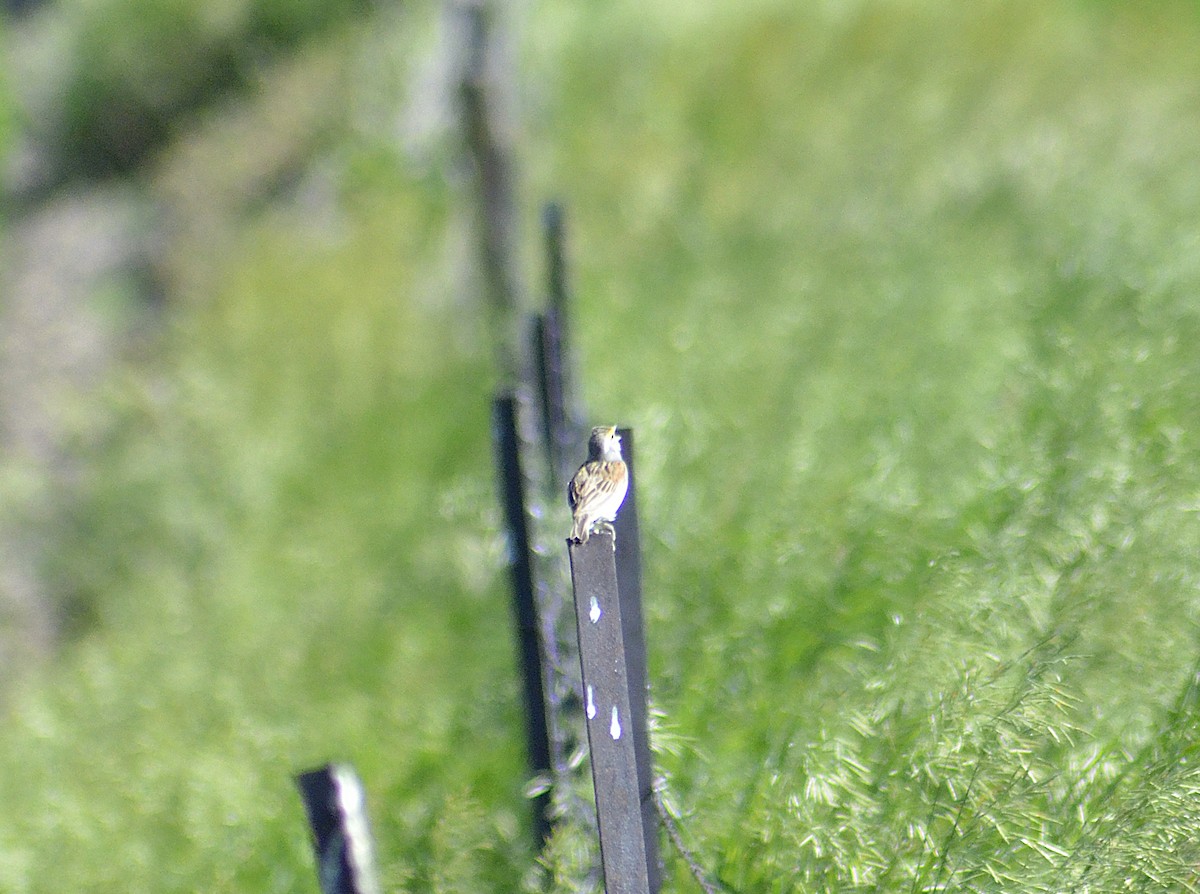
900 299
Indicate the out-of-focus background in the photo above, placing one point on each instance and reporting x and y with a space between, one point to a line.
902 298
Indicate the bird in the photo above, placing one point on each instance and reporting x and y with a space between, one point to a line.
598 488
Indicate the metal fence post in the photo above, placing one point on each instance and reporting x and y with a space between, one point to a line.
336 806
520 560
609 716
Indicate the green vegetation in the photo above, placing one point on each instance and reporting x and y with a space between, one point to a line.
900 298
7 111
126 72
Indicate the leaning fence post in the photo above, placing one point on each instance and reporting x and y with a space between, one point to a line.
609 716
336 806
512 486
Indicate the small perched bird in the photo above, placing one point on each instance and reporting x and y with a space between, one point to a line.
599 487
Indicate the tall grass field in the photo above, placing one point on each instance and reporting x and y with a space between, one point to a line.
902 299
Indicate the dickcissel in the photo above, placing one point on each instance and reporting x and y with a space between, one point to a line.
599 487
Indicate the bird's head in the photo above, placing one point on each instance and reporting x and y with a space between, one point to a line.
604 444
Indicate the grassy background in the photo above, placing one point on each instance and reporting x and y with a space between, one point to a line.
900 298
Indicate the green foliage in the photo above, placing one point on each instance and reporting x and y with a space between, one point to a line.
898 296
134 68
288 542
7 110
900 299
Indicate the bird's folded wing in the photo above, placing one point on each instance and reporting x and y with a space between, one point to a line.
596 481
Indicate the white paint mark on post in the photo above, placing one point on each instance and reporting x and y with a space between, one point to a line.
614 728
594 610
351 802
591 704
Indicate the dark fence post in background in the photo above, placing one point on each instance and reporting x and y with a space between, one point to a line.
336 806
550 340
629 586
554 226
609 716
548 368
520 562
487 125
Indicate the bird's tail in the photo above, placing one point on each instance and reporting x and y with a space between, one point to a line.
581 529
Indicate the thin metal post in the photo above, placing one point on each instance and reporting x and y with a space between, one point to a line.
552 355
609 716
557 428
554 229
488 128
512 487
